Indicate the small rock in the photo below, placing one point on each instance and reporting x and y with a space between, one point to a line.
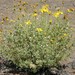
61 72
73 64
54 71
69 65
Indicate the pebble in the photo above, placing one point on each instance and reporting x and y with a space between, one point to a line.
61 72
73 64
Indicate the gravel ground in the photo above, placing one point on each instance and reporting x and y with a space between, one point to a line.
6 10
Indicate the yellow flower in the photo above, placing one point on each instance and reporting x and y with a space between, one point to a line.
60 12
28 22
50 21
24 3
57 14
44 9
65 34
12 20
34 14
35 11
39 29
7 18
70 10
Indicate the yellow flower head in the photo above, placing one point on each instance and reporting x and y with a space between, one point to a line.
65 34
35 11
57 14
39 29
24 3
44 9
70 10
28 22
34 14
12 20
60 12
50 21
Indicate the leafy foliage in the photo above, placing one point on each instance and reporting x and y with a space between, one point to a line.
36 43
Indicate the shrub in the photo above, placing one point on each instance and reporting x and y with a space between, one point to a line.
37 42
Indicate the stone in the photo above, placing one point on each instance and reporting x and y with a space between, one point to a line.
61 72
73 64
